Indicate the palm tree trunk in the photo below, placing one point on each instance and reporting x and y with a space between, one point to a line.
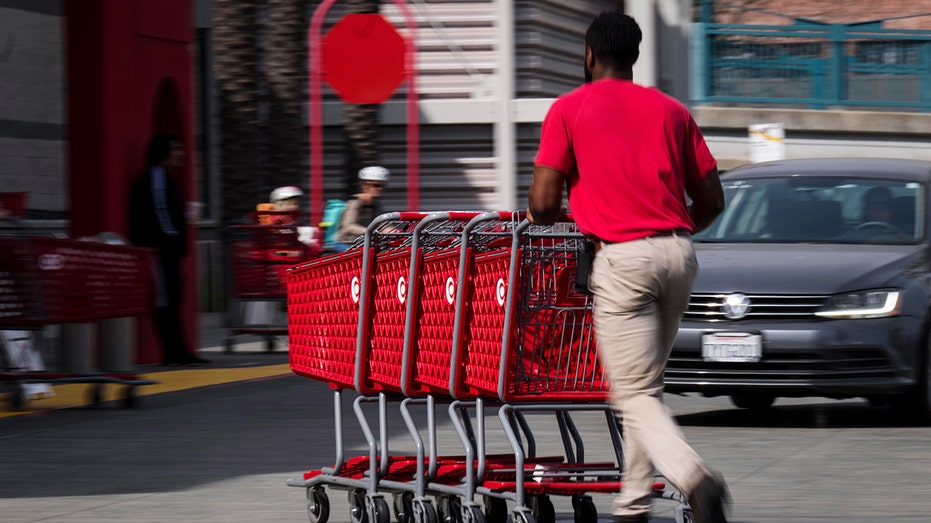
286 65
236 56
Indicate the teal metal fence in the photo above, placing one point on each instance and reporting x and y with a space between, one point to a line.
812 65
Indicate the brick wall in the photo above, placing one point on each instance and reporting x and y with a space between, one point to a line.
767 12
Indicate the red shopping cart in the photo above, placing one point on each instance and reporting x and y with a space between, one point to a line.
489 313
260 255
49 281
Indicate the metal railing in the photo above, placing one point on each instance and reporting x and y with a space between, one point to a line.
811 65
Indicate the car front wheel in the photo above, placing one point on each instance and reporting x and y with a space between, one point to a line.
914 407
753 401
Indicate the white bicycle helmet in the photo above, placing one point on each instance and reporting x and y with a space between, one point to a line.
374 173
285 193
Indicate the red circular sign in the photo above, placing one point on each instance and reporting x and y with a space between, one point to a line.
363 58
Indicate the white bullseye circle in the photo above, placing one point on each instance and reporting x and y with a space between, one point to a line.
355 289
402 289
450 290
501 291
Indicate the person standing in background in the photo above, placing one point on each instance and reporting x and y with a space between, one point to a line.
157 220
630 155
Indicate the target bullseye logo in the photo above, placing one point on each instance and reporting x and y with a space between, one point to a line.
501 291
51 262
355 289
402 289
450 290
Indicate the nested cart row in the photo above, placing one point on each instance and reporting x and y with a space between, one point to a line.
53 281
475 311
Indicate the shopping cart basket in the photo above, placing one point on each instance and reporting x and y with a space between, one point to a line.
260 255
50 281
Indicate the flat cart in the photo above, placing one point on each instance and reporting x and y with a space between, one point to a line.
51 281
259 256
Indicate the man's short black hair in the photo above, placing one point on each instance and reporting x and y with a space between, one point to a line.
160 147
614 38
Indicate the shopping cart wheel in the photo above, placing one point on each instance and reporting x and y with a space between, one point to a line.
584 510
424 512
450 509
404 507
473 514
357 512
378 509
270 343
17 399
95 395
318 505
496 510
543 509
523 515
228 345
129 397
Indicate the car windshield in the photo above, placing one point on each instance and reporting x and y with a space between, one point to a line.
819 209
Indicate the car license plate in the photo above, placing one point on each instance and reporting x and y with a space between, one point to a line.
732 347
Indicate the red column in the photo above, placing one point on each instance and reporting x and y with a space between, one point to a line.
123 57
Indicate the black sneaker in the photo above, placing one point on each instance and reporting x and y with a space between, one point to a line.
709 499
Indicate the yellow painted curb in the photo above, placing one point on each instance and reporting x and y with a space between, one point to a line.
78 394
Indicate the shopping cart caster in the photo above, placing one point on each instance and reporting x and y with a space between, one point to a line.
584 510
357 512
683 514
543 509
450 509
377 509
473 514
17 399
496 510
129 397
228 345
523 515
95 395
424 512
404 507
318 505
270 344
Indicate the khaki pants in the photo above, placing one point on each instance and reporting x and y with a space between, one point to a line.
641 288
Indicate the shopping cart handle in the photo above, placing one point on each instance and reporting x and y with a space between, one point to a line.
411 216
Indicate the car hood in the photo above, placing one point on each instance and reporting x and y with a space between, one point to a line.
800 268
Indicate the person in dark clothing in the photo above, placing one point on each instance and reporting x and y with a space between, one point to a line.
157 220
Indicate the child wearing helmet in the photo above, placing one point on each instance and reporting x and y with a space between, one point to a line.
286 198
364 207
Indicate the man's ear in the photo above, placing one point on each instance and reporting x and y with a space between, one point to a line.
589 59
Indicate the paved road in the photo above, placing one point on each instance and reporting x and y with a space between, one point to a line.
223 452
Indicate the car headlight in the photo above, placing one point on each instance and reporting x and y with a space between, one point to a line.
864 304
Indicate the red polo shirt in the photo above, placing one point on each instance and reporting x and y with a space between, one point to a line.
628 151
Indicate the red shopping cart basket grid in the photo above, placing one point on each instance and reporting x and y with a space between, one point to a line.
554 341
434 314
261 255
396 294
549 350
47 281
323 312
